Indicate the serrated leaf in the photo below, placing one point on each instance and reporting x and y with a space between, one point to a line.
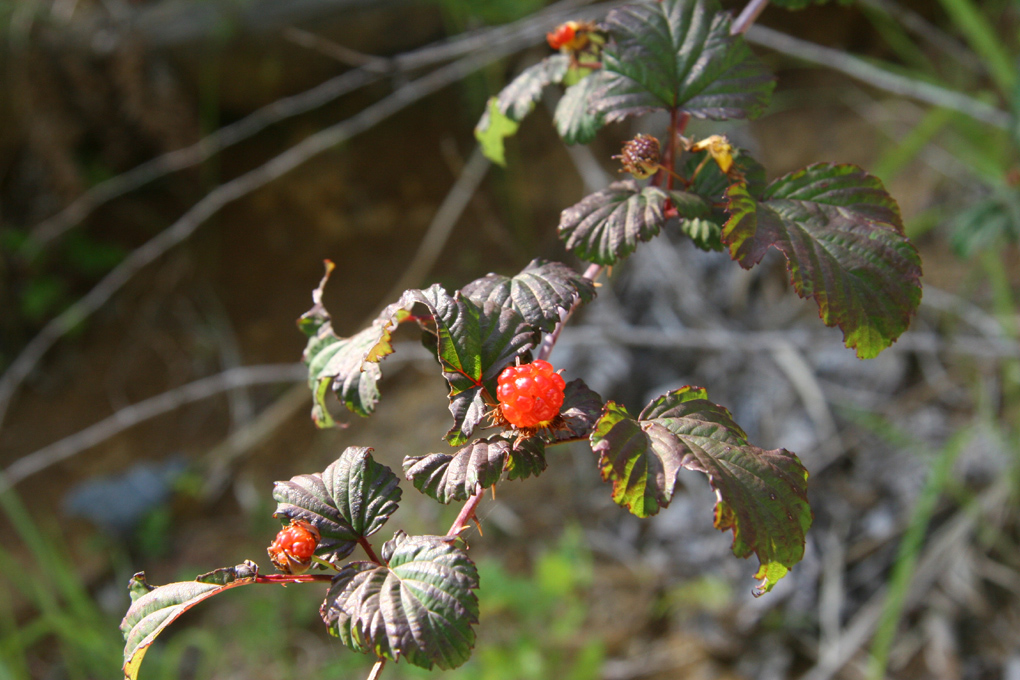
761 495
518 98
458 476
348 366
843 240
706 234
419 606
491 131
351 499
539 293
156 608
581 408
606 226
679 54
474 346
526 458
574 121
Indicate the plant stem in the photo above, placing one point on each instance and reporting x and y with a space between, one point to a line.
367 547
748 16
466 513
284 579
377 670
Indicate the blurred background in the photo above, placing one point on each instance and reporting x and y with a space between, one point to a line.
173 173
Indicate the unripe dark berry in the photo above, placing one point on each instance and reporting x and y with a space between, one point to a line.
640 156
292 550
530 395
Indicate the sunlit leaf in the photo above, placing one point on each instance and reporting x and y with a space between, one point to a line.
419 605
761 495
491 131
573 119
352 498
843 240
679 54
518 98
458 476
154 608
539 293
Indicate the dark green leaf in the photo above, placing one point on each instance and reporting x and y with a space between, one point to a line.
474 346
526 458
153 609
843 240
539 293
606 226
762 495
492 129
419 606
705 233
517 99
573 119
679 54
459 476
350 499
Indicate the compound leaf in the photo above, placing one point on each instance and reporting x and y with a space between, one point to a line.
352 498
843 240
539 293
679 54
605 227
761 495
474 345
154 608
419 606
573 119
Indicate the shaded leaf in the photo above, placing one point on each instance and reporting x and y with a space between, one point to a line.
706 234
419 606
156 608
679 54
606 226
801 4
518 98
456 477
843 240
526 458
539 293
573 119
352 498
492 130
581 409
761 495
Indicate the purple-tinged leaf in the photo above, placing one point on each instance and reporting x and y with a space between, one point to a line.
581 408
351 499
154 608
843 240
606 226
539 293
761 495
679 54
458 476
419 606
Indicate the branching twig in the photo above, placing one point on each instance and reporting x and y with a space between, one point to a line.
876 77
144 410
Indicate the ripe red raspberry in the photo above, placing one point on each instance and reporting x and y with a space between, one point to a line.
562 35
292 550
530 395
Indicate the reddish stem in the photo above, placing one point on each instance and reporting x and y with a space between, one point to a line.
367 547
466 513
284 579
748 16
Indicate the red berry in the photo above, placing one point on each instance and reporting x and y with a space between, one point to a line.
561 35
530 395
292 550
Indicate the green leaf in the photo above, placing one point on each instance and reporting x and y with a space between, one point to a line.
418 606
474 467
474 346
348 366
801 4
539 293
351 499
573 119
679 54
843 240
154 608
517 99
605 227
492 129
761 495
706 234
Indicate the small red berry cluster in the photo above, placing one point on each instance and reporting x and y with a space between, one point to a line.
292 550
530 395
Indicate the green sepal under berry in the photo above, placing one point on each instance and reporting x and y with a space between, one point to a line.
504 112
419 605
843 239
153 608
761 495
679 55
607 226
476 466
473 346
540 292
574 120
349 500
347 366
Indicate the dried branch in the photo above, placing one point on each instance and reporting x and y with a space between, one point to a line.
876 77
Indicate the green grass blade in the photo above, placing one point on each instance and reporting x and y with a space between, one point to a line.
978 32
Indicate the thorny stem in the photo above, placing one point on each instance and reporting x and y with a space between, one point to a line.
363 542
748 16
